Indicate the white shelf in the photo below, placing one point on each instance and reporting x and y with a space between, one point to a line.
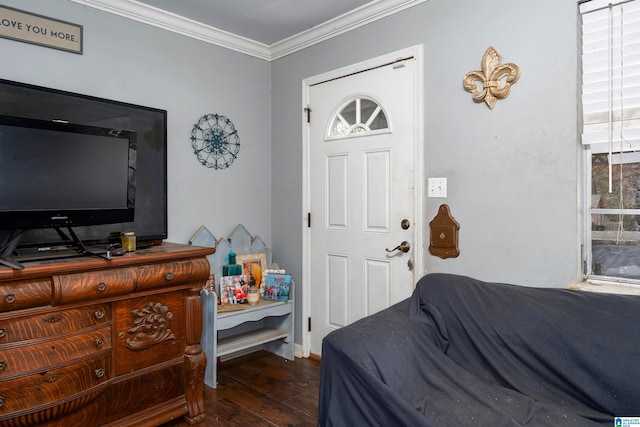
249 313
249 339
268 325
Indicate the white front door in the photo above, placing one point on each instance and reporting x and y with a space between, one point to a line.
362 170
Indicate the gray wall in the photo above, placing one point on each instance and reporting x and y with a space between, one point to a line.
132 62
512 171
513 180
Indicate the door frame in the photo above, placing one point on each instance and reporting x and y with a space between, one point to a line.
419 184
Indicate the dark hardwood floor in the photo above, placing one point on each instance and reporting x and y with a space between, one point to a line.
262 389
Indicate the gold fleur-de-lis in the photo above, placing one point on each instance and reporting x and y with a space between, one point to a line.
496 79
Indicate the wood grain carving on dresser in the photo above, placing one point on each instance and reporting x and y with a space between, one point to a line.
88 341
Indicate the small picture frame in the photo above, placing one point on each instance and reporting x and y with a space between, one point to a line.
253 266
233 290
277 287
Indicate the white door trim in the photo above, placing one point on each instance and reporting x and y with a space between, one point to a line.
417 52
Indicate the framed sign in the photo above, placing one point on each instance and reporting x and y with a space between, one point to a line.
36 29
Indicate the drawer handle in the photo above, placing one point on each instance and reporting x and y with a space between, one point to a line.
99 342
52 318
2 401
168 276
3 333
3 365
99 373
101 286
99 314
10 299
52 378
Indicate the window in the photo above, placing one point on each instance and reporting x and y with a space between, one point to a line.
358 116
611 137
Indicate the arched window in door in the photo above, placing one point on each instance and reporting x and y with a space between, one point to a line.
357 116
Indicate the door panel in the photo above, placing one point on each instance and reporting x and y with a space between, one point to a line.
361 188
378 279
337 290
376 191
337 176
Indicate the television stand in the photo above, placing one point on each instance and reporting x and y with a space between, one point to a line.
79 246
95 343
5 256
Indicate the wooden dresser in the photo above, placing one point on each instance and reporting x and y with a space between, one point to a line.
89 342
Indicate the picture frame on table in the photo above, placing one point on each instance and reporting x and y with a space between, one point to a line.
233 290
253 266
277 287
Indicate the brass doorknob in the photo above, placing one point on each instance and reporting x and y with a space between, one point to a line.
403 247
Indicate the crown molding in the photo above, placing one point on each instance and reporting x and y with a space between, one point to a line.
150 15
349 21
178 24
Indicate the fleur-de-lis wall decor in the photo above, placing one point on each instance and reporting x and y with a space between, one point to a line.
496 79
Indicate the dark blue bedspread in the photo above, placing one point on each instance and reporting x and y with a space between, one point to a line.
461 352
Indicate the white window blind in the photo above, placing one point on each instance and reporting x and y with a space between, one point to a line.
611 75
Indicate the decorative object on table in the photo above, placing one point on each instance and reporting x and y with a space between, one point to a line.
444 234
265 273
277 287
210 285
128 241
239 240
231 268
215 141
253 295
233 290
252 267
496 79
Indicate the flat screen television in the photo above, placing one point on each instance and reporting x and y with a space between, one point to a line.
59 174
148 124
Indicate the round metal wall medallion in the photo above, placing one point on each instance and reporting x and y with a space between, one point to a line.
215 141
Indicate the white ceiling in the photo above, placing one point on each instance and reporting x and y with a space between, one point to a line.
268 29
264 21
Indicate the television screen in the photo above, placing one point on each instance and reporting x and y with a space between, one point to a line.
56 174
150 126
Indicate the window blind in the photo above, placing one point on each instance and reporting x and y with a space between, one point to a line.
611 75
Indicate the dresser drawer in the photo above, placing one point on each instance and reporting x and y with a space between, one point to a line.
148 330
161 275
24 294
43 354
53 323
68 387
92 285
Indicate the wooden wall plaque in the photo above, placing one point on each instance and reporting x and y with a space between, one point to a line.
443 241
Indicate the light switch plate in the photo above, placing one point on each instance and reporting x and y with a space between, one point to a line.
437 187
